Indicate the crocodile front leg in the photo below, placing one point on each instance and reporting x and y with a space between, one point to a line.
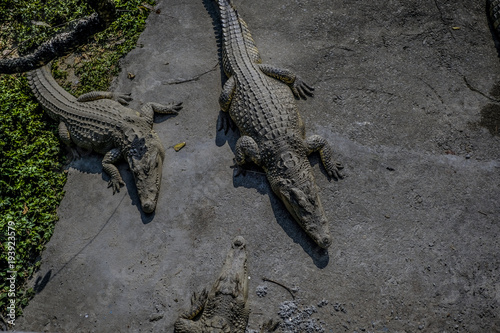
95 95
108 166
225 101
185 323
246 149
197 305
66 139
64 134
299 88
318 143
148 110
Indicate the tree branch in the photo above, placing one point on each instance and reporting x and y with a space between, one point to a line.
65 42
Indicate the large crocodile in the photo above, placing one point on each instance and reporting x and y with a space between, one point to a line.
99 121
260 101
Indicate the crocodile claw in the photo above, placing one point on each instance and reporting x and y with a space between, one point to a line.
174 107
334 172
301 89
224 122
116 184
121 98
170 108
239 170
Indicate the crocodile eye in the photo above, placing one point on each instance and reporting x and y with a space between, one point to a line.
299 197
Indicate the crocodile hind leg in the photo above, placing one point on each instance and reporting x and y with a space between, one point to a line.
108 166
225 121
299 88
246 149
149 109
318 143
197 305
95 95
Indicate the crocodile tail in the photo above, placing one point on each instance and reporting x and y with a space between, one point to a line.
252 50
230 18
48 93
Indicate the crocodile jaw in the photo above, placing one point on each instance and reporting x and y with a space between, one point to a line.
147 168
233 280
301 198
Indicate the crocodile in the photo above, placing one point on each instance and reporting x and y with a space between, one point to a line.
260 101
224 308
100 121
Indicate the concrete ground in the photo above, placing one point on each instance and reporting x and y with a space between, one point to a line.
407 93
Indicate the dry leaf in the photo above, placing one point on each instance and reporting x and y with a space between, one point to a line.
179 146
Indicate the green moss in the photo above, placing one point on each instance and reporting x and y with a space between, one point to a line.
31 164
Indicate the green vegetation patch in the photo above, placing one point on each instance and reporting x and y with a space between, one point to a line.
31 164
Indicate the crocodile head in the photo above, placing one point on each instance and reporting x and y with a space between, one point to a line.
233 279
145 159
293 182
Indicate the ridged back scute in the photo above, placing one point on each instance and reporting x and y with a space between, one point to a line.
252 50
237 39
48 93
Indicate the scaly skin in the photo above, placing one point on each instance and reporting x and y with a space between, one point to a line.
98 121
493 7
260 101
224 308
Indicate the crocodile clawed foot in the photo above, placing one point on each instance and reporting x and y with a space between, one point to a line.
170 108
269 327
334 172
72 153
174 107
224 122
199 298
122 98
239 170
116 184
301 89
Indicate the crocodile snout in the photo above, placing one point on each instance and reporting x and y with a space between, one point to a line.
148 206
325 242
239 242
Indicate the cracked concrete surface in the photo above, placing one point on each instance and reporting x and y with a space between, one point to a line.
406 93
